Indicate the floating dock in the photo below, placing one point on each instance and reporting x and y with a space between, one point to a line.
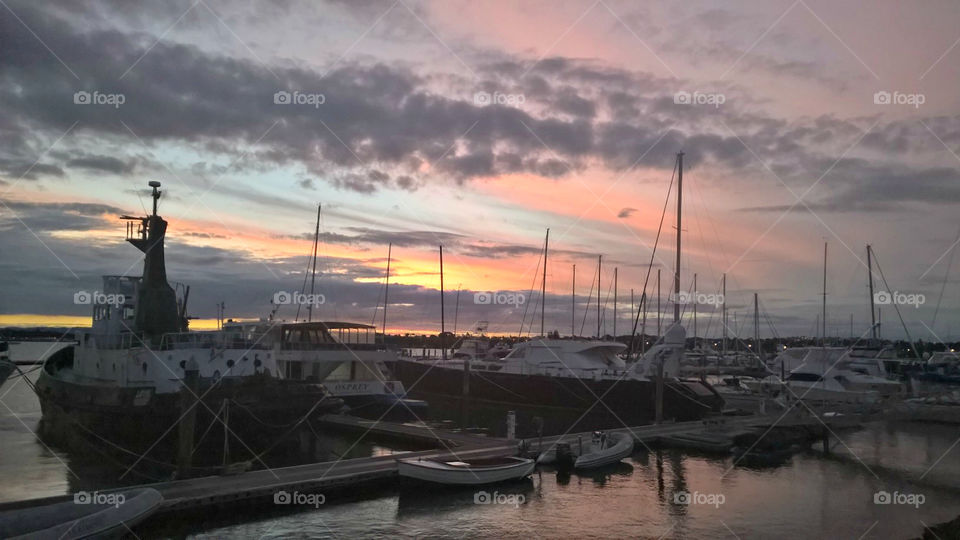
257 486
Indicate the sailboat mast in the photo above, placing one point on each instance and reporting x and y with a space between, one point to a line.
313 274
615 303
443 344
543 285
386 290
756 324
823 320
873 310
573 303
599 262
694 312
456 310
659 312
723 317
676 271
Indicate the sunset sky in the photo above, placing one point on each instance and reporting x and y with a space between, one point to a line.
478 125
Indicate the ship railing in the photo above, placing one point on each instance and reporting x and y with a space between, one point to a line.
329 346
195 340
125 340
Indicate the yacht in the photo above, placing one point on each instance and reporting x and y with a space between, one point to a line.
121 382
344 356
571 375
549 378
831 374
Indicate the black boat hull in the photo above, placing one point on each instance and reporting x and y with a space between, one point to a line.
262 411
563 403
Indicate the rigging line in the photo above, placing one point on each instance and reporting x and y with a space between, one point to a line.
373 320
603 311
703 241
533 316
533 283
653 253
213 422
896 307
593 280
943 285
768 320
295 425
303 288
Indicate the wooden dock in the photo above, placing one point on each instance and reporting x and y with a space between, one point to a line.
262 485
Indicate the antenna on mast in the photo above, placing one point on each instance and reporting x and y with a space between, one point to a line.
156 194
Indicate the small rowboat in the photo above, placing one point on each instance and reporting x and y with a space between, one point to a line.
466 473
86 516
605 451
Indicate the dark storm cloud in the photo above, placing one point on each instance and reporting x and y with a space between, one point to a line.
379 124
101 164
860 186
40 217
626 212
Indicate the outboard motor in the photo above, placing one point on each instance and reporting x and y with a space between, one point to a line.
565 457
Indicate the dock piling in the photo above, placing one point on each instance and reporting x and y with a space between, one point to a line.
188 401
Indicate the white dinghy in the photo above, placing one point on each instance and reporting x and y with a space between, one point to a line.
605 449
466 473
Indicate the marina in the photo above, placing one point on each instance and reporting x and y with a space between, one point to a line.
506 270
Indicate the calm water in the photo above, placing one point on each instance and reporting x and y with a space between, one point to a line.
808 496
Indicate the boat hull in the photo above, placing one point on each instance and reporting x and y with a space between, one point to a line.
608 456
262 410
606 401
438 473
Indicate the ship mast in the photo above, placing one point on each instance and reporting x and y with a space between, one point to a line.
676 272
543 285
443 340
873 310
386 291
313 273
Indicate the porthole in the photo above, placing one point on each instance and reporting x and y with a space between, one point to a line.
230 363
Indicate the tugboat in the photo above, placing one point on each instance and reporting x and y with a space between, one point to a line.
125 380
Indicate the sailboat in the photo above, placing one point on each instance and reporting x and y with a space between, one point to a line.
834 374
552 376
